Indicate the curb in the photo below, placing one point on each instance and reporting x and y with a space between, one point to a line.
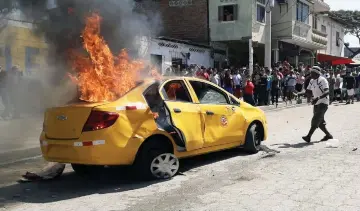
19 155
267 108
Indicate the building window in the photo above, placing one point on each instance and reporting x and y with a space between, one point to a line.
323 28
338 39
260 13
180 3
228 13
302 12
315 22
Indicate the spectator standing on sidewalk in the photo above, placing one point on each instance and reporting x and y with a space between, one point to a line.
13 87
263 88
290 83
215 77
350 83
275 87
332 82
237 83
319 89
228 82
6 114
249 92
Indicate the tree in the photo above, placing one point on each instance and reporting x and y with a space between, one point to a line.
351 21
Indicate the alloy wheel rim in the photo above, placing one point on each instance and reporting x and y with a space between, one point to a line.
164 166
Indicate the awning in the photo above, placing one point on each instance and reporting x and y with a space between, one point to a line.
335 60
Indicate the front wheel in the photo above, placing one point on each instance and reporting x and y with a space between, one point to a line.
253 139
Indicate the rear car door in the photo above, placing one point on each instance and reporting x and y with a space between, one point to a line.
218 114
185 115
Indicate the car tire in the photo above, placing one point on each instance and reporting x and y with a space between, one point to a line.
253 139
86 170
154 161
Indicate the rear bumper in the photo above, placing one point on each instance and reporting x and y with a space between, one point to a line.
90 150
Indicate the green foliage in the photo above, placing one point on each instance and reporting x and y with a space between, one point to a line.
351 21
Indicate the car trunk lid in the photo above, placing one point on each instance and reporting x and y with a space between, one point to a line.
67 122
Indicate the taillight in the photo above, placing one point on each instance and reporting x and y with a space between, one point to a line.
99 120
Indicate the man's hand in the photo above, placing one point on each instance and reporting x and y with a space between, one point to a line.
156 115
314 101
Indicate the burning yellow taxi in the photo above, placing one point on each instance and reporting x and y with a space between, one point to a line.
151 127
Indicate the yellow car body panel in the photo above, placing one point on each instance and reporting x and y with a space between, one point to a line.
62 139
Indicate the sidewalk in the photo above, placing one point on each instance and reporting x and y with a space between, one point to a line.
283 105
19 138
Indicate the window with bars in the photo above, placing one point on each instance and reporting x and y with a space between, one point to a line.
302 12
228 12
180 3
260 11
338 39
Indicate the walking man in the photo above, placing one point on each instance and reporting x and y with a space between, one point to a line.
319 89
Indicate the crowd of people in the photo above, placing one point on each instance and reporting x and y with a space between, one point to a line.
266 86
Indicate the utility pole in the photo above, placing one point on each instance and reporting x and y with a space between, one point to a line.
269 6
251 57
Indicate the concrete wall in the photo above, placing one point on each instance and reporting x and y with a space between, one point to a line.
20 46
231 30
331 28
284 22
169 50
257 27
188 22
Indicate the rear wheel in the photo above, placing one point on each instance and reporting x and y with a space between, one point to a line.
253 139
86 170
155 161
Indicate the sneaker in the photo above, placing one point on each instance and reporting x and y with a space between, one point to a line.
306 139
327 137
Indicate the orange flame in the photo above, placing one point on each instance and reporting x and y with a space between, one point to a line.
101 76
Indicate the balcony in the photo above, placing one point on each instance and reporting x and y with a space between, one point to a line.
319 37
320 6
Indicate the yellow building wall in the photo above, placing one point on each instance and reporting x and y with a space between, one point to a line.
20 46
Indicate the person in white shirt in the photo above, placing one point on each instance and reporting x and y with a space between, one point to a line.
319 89
237 83
215 77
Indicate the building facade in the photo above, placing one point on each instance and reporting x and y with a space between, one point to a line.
20 46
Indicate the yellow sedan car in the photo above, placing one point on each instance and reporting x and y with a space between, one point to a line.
152 127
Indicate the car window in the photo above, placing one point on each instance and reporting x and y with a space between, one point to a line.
234 102
209 94
176 91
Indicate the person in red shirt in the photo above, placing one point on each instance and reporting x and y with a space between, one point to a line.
249 92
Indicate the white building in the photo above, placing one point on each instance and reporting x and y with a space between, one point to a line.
334 32
166 52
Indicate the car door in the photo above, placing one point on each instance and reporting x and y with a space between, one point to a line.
185 115
237 120
217 110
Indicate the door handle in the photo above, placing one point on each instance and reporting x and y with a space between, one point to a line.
177 110
210 113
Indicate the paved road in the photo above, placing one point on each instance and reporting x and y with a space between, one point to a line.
302 177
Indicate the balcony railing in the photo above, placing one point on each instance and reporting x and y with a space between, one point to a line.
319 37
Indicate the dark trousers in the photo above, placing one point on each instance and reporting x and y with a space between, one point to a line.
262 96
249 98
318 119
275 96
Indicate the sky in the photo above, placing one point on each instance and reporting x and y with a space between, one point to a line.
346 5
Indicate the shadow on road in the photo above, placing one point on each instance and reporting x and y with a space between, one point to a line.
298 145
118 179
